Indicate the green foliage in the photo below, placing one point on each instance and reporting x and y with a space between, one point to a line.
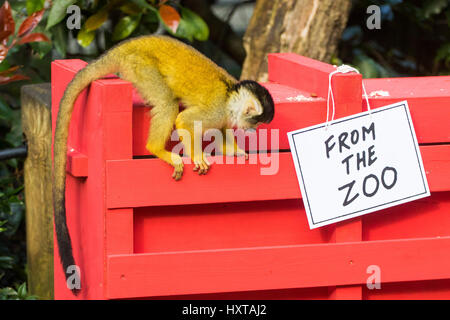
20 293
125 27
24 45
12 240
398 48
58 11
192 26
34 5
126 18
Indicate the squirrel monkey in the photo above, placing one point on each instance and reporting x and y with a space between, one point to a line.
165 72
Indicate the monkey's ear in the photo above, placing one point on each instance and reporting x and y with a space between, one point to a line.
251 108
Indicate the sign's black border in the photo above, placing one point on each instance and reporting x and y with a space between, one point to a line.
351 118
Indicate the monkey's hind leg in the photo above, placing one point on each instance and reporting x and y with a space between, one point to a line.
152 87
161 126
165 109
186 121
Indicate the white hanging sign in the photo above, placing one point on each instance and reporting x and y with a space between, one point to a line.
358 164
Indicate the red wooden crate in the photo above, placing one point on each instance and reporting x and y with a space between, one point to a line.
235 233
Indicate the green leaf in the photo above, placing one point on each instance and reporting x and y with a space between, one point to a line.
6 262
60 39
85 37
58 11
125 27
144 4
150 17
192 26
6 113
4 65
7 293
15 217
432 7
34 5
22 291
95 21
41 48
443 53
130 8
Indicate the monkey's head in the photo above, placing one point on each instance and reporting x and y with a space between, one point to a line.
250 104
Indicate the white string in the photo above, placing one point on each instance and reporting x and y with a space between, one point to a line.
341 69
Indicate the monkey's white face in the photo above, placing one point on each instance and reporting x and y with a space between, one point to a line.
243 107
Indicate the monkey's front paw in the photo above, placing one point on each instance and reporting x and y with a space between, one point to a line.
201 165
238 152
178 171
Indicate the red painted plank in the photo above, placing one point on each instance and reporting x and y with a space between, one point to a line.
266 268
428 99
87 241
346 292
300 72
427 217
409 87
436 161
319 293
276 223
148 182
223 225
415 290
119 231
130 183
96 112
346 92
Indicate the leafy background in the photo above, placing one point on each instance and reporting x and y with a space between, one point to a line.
414 40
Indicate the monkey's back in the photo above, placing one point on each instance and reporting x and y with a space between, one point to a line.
192 77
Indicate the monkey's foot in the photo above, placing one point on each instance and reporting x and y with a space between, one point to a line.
240 153
201 165
178 171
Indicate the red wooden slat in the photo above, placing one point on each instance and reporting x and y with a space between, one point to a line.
277 223
414 290
97 112
300 72
148 182
223 225
347 95
427 217
119 231
428 99
275 267
145 182
436 161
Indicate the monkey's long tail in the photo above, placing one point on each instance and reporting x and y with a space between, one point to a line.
95 70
